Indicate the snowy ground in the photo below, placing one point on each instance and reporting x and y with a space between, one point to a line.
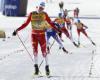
83 64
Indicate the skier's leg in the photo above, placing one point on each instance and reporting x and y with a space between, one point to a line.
44 53
60 35
84 32
47 65
69 27
59 42
78 40
47 41
35 52
91 41
64 30
35 44
67 34
78 32
71 31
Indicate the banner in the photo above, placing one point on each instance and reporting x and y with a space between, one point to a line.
11 7
1 5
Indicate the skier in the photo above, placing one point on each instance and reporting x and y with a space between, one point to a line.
40 21
61 20
76 12
81 28
52 33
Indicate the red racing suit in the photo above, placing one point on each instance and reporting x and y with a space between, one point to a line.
61 22
80 28
40 22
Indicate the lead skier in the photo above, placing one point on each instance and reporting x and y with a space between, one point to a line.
40 21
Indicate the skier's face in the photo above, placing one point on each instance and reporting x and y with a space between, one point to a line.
41 8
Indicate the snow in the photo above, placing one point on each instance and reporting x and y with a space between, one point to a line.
16 64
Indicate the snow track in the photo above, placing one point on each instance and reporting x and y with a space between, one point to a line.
83 64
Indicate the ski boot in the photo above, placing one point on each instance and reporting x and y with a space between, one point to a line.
36 69
78 43
75 44
48 50
64 50
47 70
59 47
93 43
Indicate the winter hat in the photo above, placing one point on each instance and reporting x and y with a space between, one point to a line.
42 4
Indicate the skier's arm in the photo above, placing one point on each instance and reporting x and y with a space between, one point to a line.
25 24
50 22
84 26
67 22
56 24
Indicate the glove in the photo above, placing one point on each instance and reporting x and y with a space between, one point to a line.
14 33
85 27
61 5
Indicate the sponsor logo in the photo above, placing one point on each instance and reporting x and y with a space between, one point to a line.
10 7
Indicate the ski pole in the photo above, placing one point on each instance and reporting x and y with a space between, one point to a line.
41 63
25 48
52 44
